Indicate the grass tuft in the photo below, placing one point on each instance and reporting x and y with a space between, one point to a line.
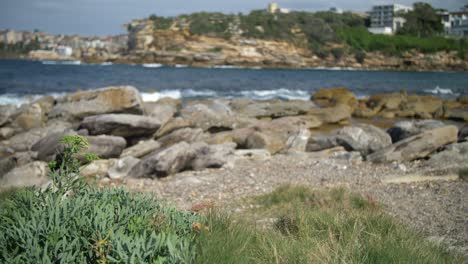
314 227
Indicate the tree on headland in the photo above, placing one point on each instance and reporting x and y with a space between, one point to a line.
422 21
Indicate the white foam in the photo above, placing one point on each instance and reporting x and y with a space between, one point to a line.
152 65
19 100
107 63
156 96
201 93
439 90
226 67
50 62
181 66
282 93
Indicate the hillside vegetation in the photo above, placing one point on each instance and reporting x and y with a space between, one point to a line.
322 31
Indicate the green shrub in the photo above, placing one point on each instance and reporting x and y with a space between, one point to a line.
337 53
70 222
360 56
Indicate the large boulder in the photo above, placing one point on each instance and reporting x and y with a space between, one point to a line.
332 115
211 156
120 99
421 106
49 146
106 147
272 109
187 134
32 174
334 96
97 168
363 138
163 110
297 142
141 149
454 156
30 116
405 129
122 125
460 114
7 164
24 141
416 147
213 117
164 162
6 112
122 167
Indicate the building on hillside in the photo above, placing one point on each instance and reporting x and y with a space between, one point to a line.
386 19
455 23
459 24
11 37
64 51
273 8
336 10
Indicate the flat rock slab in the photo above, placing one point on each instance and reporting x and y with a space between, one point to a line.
122 125
415 178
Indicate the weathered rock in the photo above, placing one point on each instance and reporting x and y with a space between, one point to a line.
335 96
460 114
188 135
7 164
164 162
106 147
97 168
32 174
211 156
297 142
454 156
416 147
172 125
49 146
24 157
123 125
213 118
121 168
24 141
273 108
422 106
463 133
405 129
6 112
332 115
5 151
122 99
30 116
163 110
6 133
363 138
141 149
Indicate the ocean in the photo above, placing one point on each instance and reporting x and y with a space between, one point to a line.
23 80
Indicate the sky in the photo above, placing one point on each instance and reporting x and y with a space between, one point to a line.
106 17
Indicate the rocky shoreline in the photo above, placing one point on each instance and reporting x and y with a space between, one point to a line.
162 138
224 149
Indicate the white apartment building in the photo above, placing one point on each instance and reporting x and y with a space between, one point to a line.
386 19
274 8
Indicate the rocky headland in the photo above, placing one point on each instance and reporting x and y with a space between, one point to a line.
402 149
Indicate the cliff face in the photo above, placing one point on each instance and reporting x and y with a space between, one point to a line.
177 45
